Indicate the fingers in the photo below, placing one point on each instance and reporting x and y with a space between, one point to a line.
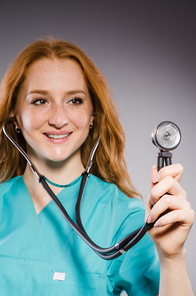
169 210
175 170
167 185
180 211
185 217
165 182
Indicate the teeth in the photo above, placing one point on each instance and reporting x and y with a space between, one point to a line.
57 136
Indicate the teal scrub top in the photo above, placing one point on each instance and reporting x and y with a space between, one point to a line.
41 255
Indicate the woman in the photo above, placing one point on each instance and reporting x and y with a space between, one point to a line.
61 105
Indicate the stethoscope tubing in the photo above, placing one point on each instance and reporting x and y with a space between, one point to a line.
123 245
109 253
106 253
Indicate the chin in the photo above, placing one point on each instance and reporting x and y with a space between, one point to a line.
55 162
58 158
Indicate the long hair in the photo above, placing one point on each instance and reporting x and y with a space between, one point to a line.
109 163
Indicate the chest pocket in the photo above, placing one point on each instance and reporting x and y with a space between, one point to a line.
78 282
20 277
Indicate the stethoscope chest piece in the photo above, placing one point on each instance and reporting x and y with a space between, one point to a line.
166 136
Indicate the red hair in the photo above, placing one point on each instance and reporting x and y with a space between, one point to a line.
109 164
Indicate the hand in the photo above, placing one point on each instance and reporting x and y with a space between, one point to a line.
171 230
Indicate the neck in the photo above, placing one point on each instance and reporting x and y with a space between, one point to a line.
59 173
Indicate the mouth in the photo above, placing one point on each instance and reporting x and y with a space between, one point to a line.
53 136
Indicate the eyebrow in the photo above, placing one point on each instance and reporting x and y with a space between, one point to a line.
44 92
36 91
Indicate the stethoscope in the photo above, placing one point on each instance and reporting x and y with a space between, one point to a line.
166 136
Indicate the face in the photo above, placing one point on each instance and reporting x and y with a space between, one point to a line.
54 110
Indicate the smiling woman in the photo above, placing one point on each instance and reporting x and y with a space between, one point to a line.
54 113
61 104
109 156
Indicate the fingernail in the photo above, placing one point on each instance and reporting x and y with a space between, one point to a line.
149 219
152 202
156 178
156 224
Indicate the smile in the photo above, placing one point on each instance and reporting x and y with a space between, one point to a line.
50 136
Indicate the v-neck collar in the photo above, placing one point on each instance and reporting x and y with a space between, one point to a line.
45 221
59 195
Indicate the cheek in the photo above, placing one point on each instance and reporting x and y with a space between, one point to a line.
29 120
82 119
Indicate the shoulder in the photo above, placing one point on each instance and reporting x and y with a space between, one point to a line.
110 191
122 207
13 181
11 187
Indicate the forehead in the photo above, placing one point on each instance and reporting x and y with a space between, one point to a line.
54 71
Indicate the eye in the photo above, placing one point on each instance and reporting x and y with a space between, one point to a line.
39 101
76 101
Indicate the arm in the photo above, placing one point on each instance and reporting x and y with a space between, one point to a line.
171 230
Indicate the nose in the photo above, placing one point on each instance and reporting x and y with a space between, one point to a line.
58 117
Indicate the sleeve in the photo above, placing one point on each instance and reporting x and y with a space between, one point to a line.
136 272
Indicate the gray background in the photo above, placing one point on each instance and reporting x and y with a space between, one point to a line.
146 49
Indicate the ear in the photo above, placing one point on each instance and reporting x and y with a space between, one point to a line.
92 118
12 114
